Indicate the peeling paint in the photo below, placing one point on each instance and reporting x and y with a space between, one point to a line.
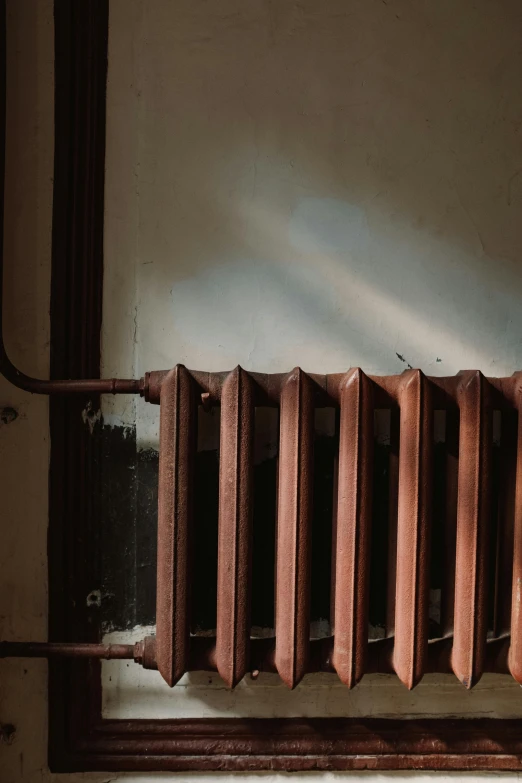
91 417
7 415
94 598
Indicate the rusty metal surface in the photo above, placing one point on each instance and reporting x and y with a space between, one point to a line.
353 527
474 487
235 527
67 650
292 744
175 497
294 519
413 528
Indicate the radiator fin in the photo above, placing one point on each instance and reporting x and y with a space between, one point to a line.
354 519
294 526
176 481
235 527
413 528
474 488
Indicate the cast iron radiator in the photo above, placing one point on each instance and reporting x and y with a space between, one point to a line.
467 646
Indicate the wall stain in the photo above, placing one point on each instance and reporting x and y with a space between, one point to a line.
7 415
402 359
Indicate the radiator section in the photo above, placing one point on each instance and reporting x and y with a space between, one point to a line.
353 528
474 486
413 528
235 527
458 611
294 518
176 486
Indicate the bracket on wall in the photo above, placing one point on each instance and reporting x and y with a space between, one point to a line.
79 738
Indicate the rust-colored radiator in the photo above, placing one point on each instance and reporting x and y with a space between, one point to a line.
468 644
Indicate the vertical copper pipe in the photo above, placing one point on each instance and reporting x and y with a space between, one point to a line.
176 474
353 529
469 642
7 368
294 527
235 527
413 529
515 650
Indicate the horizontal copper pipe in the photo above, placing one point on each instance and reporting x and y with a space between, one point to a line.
202 655
79 386
66 650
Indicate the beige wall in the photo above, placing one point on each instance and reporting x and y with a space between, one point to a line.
325 184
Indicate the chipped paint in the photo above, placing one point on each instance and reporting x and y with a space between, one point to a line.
91 417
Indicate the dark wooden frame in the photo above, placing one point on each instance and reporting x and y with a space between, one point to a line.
79 739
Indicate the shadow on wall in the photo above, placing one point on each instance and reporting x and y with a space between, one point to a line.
327 184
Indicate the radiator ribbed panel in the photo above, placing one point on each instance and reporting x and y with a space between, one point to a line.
354 520
413 528
235 527
469 643
176 474
472 637
294 528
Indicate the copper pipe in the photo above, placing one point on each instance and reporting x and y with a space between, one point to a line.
262 654
66 650
7 368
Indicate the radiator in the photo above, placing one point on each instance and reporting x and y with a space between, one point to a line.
466 645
